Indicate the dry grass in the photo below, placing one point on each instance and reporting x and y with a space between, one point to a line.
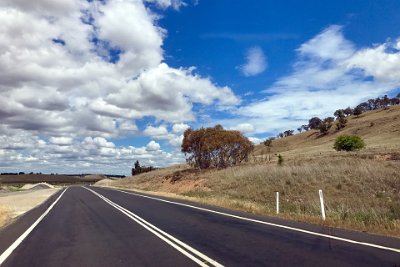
361 189
361 194
379 128
4 216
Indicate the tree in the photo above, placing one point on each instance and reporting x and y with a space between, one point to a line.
394 101
358 111
305 127
348 143
341 123
339 113
268 144
141 169
314 123
300 129
288 133
348 111
385 101
215 147
325 125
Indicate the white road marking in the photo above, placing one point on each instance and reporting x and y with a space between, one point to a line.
266 223
19 240
169 239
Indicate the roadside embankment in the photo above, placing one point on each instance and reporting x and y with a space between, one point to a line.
14 203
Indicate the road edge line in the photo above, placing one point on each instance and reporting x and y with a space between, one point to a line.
266 223
21 238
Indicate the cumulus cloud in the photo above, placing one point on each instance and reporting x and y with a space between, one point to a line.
75 63
66 75
256 62
256 140
329 73
243 127
174 138
61 141
179 128
90 155
175 4
153 146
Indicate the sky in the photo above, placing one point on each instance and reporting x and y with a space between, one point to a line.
92 86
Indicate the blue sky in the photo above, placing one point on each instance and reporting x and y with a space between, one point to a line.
95 85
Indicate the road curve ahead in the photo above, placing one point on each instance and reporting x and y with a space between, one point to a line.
90 226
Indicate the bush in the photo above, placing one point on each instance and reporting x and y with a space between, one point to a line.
215 147
348 143
280 159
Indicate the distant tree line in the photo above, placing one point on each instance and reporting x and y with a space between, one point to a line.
215 147
340 116
137 169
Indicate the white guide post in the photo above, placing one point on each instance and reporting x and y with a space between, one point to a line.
321 199
277 202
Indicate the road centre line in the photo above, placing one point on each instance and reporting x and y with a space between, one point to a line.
19 240
169 239
266 223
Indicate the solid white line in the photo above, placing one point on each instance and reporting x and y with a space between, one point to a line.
267 223
162 235
17 242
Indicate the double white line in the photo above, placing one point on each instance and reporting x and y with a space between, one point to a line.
182 247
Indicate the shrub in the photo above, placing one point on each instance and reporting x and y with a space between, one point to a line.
348 143
215 147
280 159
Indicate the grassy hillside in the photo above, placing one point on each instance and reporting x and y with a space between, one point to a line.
362 189
379 128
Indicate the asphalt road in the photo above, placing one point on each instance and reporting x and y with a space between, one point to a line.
103 227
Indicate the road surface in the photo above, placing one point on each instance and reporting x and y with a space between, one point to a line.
90 226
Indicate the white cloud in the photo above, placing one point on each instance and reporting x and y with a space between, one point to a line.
67 74
153 146
330 73
158 132
61 141
256 62
161 132
244 128
256 140
330 44
378 62
175 4
179 128
73 76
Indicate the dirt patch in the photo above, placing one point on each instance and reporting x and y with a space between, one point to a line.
389 156
104 182
184 186
93 177
17 203
37 186
4 216
178 175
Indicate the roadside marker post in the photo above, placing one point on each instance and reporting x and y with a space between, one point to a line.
321 199
277 202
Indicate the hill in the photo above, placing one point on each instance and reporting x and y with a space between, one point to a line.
379 128
48 178
361 189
